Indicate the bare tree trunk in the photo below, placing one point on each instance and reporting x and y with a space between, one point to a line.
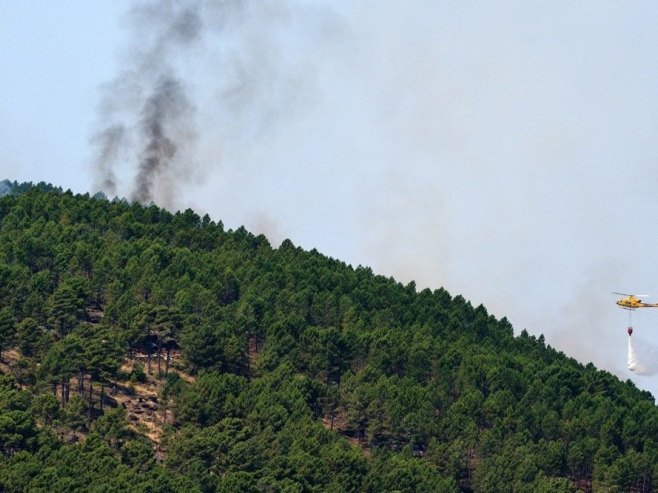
102 395
148 349
159 355
91 396
334 404
167 361
62 391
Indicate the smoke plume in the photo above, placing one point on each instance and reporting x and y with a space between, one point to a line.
233 60
162 129
146 115
109 142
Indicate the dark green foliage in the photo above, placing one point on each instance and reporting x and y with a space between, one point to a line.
7 328
308 374
45 408
28 335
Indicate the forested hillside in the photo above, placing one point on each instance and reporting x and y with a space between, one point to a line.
276 370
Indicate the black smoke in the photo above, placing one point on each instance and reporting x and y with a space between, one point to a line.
146 116
165 110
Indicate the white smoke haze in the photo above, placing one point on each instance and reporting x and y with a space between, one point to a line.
5 187
505 152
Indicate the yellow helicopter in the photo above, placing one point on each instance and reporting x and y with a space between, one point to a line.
633 301
630 302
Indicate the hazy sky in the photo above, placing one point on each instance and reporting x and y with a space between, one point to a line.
503 150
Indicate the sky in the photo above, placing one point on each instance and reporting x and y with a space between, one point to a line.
505 151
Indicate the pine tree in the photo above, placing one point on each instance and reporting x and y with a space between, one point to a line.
7 328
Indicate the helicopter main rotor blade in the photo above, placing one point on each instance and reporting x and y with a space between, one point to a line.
636 295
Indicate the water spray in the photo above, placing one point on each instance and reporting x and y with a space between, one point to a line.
632 356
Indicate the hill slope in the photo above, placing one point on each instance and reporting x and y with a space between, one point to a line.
276 369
